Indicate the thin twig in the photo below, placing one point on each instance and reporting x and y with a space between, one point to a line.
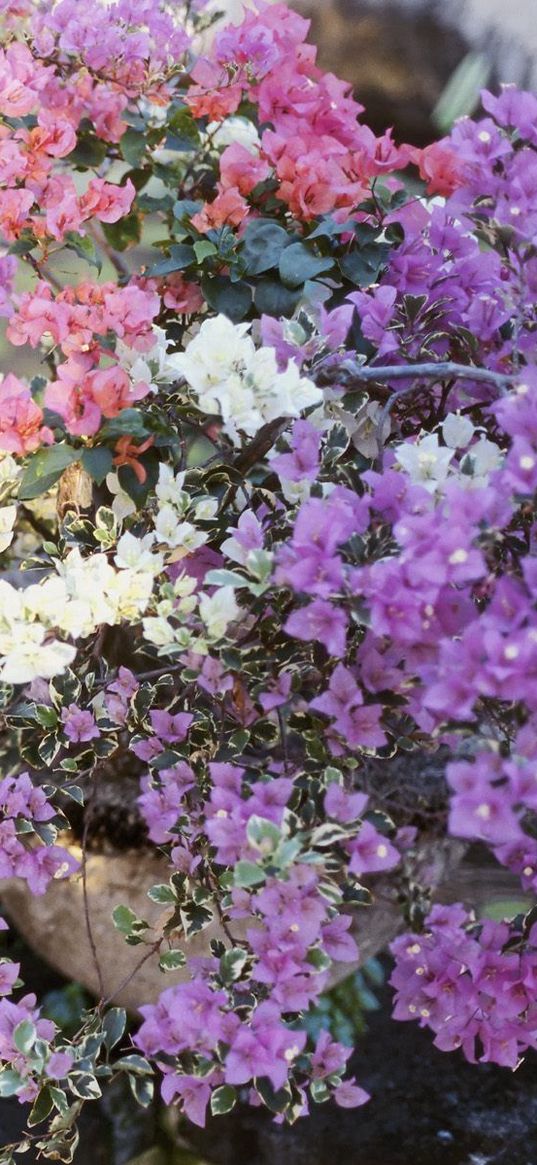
152 950
43 272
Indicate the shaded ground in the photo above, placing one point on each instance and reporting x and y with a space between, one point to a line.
428 1108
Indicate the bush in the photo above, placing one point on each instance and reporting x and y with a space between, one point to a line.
273 485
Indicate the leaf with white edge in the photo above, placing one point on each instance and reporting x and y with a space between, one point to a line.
232 964
328 834
142 1089
41 1107
10 1082
127 922
171 960
223 1100
114 1024
134 1063
24 1036
162 893
225 578
248 874
263 835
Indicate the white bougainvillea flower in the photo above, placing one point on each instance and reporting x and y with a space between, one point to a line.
457 431
8 516
32 658
232 379
426 461
122 504
218 610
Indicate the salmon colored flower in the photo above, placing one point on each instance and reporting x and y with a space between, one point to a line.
127 453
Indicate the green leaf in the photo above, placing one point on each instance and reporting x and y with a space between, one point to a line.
24 1036
97 461
262 244
232 964
44 469
135 1064
204 249
461 95
248 874
184 130
47 717
162 893
230 299
88 153
84 246
225 578
129 422
132 146
10 1082
298 263
273 299
114 1024
185 208
126 921
41 1108
263 834
319 959
124 233
181 256
223 1100
171 960
142 1090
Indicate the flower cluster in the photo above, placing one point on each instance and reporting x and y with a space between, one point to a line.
233 379
474 986
23 809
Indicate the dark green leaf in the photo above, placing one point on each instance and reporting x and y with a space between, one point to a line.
181 256
114 1024
132 146
299 263
89 152
273 299
231 299
97 461
124 233
262 244
223 1100
44 469
41 1108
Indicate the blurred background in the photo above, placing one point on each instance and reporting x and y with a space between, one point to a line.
418 64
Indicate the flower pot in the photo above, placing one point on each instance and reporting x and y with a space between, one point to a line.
55 924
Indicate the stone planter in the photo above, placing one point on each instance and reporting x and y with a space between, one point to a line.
54 925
